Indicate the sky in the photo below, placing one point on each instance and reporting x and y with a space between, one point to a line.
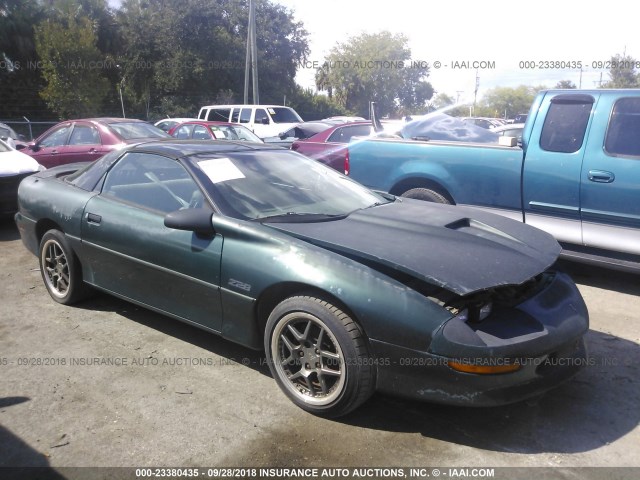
512 42
500 33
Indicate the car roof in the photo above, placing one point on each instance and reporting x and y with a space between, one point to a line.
244 106
185 148
211 123
109 120
508 126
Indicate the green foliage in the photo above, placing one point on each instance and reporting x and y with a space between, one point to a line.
501 101
71 63
565 84
623 72
178 57
442 100
312 106
375 67
20 79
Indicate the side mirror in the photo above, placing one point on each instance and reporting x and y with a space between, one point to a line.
508 141
197 220
265 121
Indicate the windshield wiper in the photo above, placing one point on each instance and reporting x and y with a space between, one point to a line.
300 217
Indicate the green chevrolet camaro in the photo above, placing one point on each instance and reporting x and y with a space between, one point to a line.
348 291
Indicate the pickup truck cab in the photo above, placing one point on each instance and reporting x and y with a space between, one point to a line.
576 176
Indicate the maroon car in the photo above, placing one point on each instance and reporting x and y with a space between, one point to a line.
330 146
210 130
87 139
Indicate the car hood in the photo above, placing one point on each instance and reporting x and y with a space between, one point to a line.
14 162
461 249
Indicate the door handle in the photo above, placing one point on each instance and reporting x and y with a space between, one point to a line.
93 218
54 152
92 150
601 176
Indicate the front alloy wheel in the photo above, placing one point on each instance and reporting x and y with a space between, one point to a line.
318 356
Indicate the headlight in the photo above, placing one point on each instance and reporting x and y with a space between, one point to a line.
475 313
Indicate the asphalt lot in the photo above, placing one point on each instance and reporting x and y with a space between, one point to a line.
106 383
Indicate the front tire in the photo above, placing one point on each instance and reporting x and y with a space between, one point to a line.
319 356
60 269
426 195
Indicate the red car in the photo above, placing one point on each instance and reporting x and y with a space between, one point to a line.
87 139
330 146
205 130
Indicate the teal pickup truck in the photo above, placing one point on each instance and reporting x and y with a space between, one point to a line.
576 174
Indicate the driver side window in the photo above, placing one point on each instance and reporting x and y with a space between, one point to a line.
57 138
152 182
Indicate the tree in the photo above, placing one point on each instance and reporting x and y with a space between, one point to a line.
313 106
501 101
20 75
442 100
623 73
178 57
71 63
565 84
375 67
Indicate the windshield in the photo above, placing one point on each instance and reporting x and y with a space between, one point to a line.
284 115
234 132
133 130
277 185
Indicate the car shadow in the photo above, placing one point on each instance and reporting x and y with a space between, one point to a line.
18 460
590 411
182 331
8 230
594 409
599 277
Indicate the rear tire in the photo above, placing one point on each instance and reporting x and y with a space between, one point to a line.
319 356
426 195
60 269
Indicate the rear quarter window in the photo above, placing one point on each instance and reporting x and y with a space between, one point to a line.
623 132
219 114
565 124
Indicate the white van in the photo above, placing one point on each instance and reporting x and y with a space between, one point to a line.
264 120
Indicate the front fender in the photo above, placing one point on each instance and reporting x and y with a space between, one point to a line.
256 260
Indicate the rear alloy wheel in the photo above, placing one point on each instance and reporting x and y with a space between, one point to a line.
426 195
60 269
319 356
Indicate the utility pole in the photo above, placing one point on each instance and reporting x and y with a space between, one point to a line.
251 62
475 92
580 83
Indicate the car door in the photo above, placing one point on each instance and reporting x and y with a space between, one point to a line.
553 166
183 132
132 254
201 133
610 210
85 144
49 149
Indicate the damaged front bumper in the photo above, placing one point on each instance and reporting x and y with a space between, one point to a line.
518 352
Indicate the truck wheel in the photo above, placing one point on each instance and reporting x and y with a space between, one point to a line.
427 195
318 356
